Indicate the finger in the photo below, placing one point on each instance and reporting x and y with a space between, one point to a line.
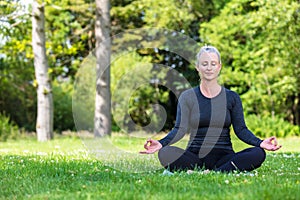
143 152
275 141
275 148
278 147
270 139
147 152
146 144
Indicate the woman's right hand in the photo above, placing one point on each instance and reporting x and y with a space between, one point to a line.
151 146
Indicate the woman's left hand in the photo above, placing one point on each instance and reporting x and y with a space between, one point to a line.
270 144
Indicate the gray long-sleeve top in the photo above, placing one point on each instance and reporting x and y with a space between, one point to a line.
208 120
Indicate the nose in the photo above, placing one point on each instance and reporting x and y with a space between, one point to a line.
209 67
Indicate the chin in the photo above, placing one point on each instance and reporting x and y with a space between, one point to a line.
209 78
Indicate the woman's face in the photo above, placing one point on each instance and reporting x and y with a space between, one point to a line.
208 66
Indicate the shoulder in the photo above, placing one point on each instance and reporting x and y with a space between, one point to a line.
189 95
232 96
231 93
189 92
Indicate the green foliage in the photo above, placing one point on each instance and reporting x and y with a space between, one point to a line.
134 92
267 126
258 40
7 128
16 68
69 31
63 115
182 16
20 104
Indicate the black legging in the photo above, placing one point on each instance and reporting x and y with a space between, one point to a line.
174 158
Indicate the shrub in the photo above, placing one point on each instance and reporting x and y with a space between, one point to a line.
7 128
264 126
62 100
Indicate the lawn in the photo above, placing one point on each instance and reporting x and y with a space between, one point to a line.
64 169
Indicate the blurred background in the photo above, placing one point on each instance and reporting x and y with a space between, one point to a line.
259 41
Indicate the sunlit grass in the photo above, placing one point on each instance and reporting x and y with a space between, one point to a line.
64 169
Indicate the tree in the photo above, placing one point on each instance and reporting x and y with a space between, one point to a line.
44 122
69 29
102 120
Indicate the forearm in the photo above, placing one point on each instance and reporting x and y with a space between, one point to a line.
173 136
248 137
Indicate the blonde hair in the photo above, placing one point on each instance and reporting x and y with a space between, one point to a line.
208 49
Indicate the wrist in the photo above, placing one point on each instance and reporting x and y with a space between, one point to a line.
161 142
260 143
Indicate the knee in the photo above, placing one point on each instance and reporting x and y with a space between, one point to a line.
260 153
163 156
169 154
162 153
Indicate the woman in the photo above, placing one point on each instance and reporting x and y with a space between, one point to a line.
207 113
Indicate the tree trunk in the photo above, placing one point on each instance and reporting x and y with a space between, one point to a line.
102 120
44 122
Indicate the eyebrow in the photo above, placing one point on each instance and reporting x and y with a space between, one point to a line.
210 61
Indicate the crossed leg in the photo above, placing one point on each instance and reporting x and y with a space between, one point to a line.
246 160
174 158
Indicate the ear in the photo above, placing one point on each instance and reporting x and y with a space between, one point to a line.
219 68
197 68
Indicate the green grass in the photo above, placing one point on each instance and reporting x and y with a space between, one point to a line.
63 169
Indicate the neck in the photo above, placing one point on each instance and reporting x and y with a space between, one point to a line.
210 88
